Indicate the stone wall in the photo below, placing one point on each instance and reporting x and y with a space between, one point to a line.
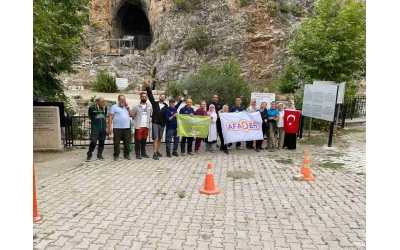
250 33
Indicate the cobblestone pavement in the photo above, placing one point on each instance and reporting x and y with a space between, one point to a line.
148 204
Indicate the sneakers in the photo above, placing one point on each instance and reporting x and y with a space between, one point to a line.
261 148
229 147
197 151
127 157
115 158
183 154
190 153
155 156
159 154
169 155
207 150
88 159
250 147
100 157
138 157
226 151
239 148
257 149
146 156
175 154
272 150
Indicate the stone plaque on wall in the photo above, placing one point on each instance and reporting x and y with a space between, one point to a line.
46 128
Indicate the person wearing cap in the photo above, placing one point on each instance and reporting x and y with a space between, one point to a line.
172 126
187 110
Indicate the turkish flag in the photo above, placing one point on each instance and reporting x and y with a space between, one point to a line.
291 121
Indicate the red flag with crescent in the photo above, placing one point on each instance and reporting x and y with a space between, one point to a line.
291 121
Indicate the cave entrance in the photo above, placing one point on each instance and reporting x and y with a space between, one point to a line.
132 21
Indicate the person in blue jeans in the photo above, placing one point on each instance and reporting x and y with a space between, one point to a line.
172 126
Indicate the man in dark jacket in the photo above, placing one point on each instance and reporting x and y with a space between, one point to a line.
158 119
97 114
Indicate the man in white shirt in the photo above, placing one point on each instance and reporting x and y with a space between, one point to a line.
142 123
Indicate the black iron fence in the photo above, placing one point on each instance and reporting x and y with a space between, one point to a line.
351 108
78 132
355 107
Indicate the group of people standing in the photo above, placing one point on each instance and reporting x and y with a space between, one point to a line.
163 117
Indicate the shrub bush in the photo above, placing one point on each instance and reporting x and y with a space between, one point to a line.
164 47
251 30
174 90
225 81
244 3
199 39
104 82
185 4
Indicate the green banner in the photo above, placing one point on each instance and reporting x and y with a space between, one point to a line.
193 126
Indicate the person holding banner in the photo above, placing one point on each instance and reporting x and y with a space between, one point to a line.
172 127
237 108
263 109
224 147
211 140
280 123
273 117
187 110
201 111
251 109
290 138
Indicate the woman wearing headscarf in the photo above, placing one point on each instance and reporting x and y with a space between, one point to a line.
251 109
290 138
200 111
224 147
263 113
211 140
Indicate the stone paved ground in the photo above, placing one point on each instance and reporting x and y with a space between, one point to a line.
148 204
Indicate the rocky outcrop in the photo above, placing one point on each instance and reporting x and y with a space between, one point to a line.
251 33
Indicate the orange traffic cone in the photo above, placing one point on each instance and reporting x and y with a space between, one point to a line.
36 217
209 186
305 169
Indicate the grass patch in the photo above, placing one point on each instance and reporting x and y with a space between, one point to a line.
251 30
336 154
360 173
285 161
181 194
217 18
52 151
240 174
349 131
322 140
164 48
317 140
333 165
75 214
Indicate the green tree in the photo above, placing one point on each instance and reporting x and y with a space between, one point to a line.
57 41
224 80
328 46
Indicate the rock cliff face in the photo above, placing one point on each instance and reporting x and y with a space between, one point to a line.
251 33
